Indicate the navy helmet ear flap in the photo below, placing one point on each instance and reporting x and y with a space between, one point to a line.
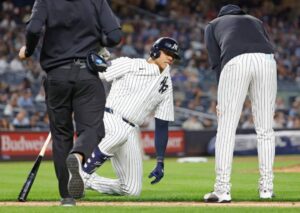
154 52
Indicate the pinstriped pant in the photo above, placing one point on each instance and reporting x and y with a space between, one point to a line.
121 141
255 73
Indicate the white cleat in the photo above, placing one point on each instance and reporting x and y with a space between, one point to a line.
90 180
266 194
217 197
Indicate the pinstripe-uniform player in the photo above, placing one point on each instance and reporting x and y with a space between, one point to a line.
242 55
139 87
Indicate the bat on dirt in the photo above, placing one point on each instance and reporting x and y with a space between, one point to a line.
31 177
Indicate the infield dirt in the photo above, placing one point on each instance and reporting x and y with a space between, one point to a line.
158 204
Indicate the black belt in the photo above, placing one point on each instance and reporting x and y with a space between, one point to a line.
79 62
111 111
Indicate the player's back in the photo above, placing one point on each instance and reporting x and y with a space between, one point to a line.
237 33
241 31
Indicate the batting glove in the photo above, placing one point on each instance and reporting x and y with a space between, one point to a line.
104 53
158 172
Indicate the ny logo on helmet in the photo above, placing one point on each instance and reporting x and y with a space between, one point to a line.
173 47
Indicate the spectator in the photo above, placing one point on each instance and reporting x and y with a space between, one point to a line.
21 120
248 124
280 103
12 105
3 63
295 108
279 120
44 124
5 125
40 97
192 123
212 108
290 122
209 123
16 65
185 23
7 22
34 119
297 122
25 100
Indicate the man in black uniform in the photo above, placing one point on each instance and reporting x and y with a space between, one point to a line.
72 30
241 53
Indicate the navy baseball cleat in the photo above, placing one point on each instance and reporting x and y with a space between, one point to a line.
75 184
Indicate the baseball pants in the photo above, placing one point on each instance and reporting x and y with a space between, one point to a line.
254 73
121 141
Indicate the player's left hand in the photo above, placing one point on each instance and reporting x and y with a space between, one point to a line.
22 52
158 172
104 53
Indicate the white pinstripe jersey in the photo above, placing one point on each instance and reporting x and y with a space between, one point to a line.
138 88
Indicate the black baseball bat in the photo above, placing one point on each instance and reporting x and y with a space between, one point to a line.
31 177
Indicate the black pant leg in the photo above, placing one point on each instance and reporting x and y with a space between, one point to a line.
59 105
88 104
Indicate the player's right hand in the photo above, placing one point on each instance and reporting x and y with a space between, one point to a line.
158 172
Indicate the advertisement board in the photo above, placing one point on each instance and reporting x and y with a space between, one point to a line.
23 144
176 145
27 145
286 142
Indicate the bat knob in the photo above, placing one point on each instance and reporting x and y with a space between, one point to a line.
21 199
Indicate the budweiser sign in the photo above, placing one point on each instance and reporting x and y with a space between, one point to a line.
175 143
23 143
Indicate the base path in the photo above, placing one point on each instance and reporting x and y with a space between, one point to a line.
158 204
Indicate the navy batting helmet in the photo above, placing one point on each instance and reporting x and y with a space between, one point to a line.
166 44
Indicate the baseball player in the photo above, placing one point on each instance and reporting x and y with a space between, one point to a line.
139 87
242 55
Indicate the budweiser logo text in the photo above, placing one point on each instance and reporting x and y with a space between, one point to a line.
22 144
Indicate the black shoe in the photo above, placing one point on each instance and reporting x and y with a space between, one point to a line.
75 184
68 201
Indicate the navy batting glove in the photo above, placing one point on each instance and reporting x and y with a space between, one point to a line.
158 172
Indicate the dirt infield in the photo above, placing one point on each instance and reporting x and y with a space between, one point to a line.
286 169
160 204
295 168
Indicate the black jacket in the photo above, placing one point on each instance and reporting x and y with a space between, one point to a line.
234 33
72 29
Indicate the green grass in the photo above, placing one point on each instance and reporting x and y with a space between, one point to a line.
182 182
80 209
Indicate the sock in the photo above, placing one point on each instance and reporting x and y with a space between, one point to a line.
95 161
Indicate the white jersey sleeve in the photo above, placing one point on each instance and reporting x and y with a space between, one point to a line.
165 109
118 68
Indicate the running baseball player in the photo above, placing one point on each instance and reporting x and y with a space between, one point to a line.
242 55
139 87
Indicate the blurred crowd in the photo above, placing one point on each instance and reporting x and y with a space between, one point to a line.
22 99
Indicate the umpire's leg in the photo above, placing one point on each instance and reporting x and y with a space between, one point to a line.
58 98
88 104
